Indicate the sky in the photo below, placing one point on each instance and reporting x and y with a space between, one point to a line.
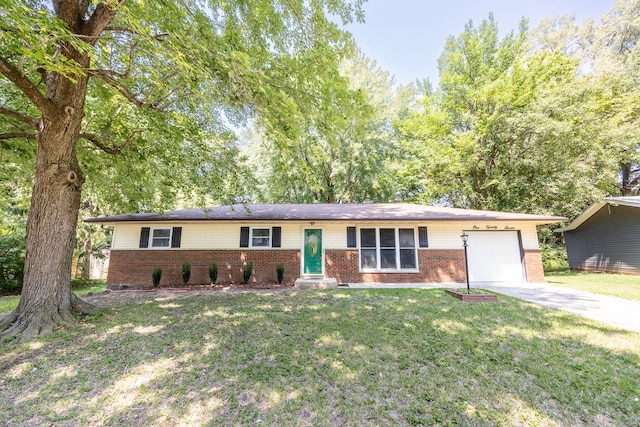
406 37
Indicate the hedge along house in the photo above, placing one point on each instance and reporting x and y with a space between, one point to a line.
351 243
606 237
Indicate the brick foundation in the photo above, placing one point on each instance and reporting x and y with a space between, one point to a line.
134 267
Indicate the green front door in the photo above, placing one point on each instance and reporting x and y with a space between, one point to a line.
312 251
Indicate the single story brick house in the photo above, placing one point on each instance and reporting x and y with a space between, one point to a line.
606 237
351 243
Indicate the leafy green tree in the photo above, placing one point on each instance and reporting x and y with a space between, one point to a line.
12 245
11 260
461 138
609 66
14 202
508 129
153 83
343 152
614 54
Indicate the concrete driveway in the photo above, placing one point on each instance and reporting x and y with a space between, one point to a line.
615 311
622 313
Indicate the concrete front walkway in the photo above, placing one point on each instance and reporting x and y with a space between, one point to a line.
618 312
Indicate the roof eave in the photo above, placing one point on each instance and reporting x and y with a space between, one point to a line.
591 210
620 201
536 221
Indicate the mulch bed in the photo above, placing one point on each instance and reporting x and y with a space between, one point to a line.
472 297
110 297
209 287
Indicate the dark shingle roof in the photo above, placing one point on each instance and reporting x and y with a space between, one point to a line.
335 212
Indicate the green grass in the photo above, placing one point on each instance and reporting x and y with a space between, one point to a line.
617 285
335 357
8 303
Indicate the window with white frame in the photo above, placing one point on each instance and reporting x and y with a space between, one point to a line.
407 244
388 249
368 249
260 237
160 237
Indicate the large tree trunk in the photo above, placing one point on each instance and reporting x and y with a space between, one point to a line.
47 299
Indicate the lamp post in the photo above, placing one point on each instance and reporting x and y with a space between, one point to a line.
464 236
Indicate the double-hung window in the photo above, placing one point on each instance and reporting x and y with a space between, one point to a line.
160 237
368 249
388 253
407 241
260 237
388 249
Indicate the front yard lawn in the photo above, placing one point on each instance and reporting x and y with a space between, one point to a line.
617 285
9 303
333 357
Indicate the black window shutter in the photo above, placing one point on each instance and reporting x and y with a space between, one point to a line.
351 237
176 236
144 237
276 237
423 241
244 237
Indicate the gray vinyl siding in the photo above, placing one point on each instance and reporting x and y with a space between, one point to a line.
608 241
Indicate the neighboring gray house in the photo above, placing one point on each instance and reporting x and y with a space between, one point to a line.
606 237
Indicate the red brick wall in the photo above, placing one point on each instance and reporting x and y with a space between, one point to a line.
134 267
436 266
533 265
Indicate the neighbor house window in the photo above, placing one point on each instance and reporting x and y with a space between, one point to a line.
388 249
260 237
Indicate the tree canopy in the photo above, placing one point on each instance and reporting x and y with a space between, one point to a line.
342 151
158 85
540 121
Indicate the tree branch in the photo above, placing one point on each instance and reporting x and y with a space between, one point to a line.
111 73
120 29
103 75
101 17
92 138
12 135
132 51
161 104
27 87
22 117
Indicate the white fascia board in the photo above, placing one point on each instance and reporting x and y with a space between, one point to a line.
582 217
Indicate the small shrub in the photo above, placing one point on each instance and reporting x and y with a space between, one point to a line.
12 252
554 257
213 272
280 272
186 273
80 283
247 271
155 276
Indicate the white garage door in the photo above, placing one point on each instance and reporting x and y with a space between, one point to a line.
494 256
